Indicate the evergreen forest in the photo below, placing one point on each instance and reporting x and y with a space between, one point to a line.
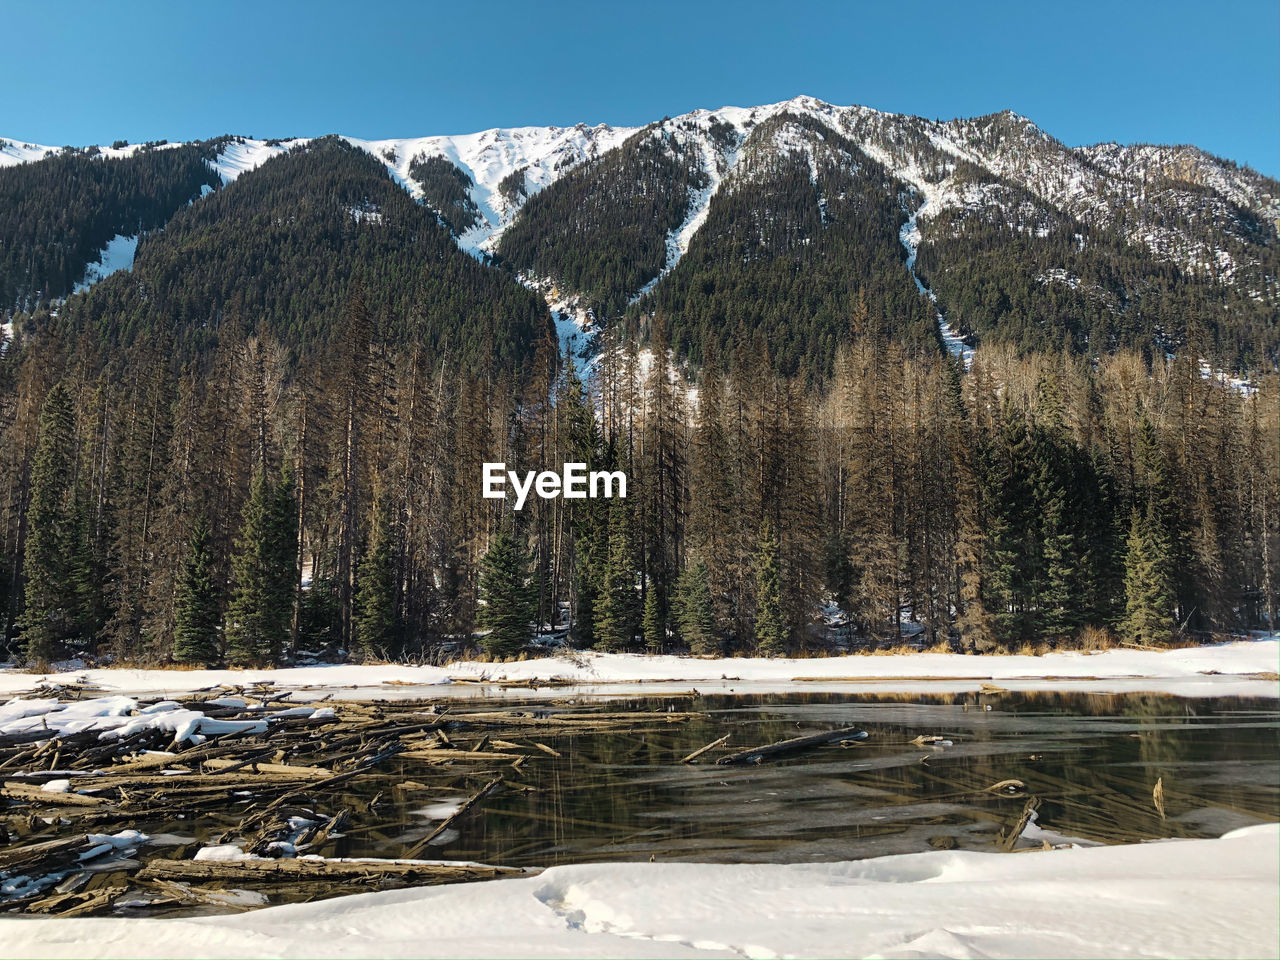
263 443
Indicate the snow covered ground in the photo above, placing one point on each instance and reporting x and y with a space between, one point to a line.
1180 898
1243 668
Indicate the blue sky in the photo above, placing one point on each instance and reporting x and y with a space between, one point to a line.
1170 72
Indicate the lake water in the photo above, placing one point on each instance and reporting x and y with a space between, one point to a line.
1092 760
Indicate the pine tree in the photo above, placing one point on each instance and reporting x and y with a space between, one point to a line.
196 608
586 518
771 624
655 624
54 609
1148 582
695 616
374 628
507 595
618 607
260 614
974 622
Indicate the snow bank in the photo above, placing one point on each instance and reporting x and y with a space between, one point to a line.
1182 898
1239 668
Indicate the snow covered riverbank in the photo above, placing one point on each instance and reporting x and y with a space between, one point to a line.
1244 668
1182 898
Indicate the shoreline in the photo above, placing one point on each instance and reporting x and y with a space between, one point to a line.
1240 668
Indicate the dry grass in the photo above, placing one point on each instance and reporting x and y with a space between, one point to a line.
1096 638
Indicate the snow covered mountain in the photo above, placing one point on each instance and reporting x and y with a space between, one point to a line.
618 208
1099 184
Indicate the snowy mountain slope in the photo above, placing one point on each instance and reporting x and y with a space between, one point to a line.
13 152
1216 222
1094 183
241 154
493 156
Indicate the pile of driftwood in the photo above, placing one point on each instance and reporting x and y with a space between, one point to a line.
70 804
269 804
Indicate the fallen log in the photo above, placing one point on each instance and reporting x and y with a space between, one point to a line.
279 769
15 858
442 754
318 868
1010 840
710 746
794 745
457 815
51 798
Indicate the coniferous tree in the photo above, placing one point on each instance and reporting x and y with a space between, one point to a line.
196 608
507 595
54 607
695 617
374 628
618 606
771 623
1148 582
655 624
260 613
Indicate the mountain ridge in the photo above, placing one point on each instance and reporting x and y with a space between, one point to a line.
1179 229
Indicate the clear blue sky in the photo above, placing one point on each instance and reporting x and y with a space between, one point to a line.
1206 72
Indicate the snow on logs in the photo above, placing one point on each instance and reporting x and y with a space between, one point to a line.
272 778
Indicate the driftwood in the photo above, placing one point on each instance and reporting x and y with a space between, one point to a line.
279 769
287 790
49 798
457 815
710 746
1011 839
441 754
795 745
318 868
17 858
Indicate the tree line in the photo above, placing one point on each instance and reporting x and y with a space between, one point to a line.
246 506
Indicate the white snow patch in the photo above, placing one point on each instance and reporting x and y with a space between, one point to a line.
242 155
117 255
116 717
14 152
488 157
1182 898
1216 670
910 237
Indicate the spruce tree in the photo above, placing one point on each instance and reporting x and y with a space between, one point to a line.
587 519
507 595
771 624
196 607
54 609
694 614
618 606
260 613
655 624
374 628
1148 582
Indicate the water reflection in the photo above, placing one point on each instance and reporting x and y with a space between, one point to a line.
1091 759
